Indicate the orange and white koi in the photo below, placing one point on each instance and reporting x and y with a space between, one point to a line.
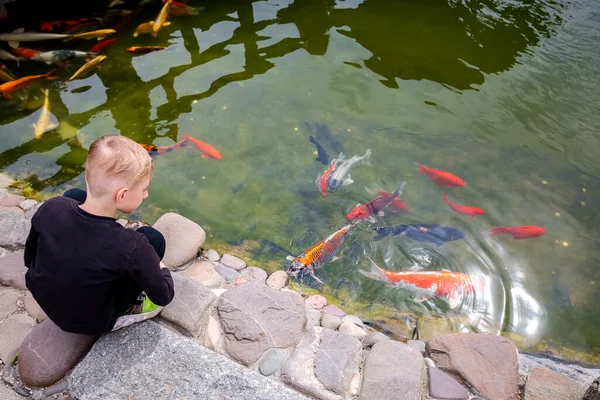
7 88
323 179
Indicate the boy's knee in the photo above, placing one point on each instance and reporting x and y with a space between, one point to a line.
156 239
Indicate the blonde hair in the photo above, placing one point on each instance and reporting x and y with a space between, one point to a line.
115 160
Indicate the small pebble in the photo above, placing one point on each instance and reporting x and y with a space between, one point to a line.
557 214
203 177
224 107
584 190
295 129
565 244
583 203
544 182
348 130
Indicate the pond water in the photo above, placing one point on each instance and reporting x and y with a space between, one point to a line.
504 94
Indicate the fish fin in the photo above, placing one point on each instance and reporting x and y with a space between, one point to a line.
472 217
13 44
335 258
312 273
421 299
166 24
454 299
318 181
497 231
375 272
398 191
289 258
366 157
347 181
204 156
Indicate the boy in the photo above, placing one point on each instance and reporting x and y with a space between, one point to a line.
84 269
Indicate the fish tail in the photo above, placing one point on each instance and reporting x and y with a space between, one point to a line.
445 197
381 233
375 272
366 157
312 139
398 191
185 136
422 169
51 74
498 231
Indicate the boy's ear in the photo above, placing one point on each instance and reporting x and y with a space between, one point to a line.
121 194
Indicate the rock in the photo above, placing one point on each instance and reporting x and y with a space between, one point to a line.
48 353
8 301
14 227
543 384
417 344
575 372
218 292
57 388
374 337
429 362
190 307
229 274
9 372
29 214
12 270
252 318
393 370
213 333
353 330
148 361
298 370
313 317
337 360
211 255
27 205
233 262
277 280
5 181
272 361
593 392
330 321
254 274
315 301
354 319
487 362
204 273
443 386
12 331
183 236
334 310
12 200
33 308
7 393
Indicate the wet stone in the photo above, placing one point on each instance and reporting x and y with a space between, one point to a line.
8 301
13 331
211 255
330 321
233 262
12 270
254 274
277 280
333 310
417 344
229 274
443 386
315 301
272 361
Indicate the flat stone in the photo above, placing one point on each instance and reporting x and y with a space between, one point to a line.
313 317
393 370
8 301
33 308
213 333
252 318
190 308
12 270
443 386
233 262
334 310
11 200
374 337
354 319
543 384
330 321
211 255
5 181
254 274
148 361
229 274
487 362
277 280
183 236
13 331
48 353
337 360
315 301
353 330
417 344
272 361
204 273
27 205
14 227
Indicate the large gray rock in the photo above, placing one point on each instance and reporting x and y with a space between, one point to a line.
28 204
14 227
337 360
13 331
255 317
204 273
190 308
48 353
393 370
147 361
33 308
8 301
374 337
12 270
487 362
183 236
543 384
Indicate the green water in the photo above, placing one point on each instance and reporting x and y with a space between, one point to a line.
502 93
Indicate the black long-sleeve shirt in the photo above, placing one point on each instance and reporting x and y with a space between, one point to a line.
84 270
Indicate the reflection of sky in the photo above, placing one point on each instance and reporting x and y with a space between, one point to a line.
86 99
158 97
17 132
277 33
341 4
43 165
219 32
264 10
101 124
158 63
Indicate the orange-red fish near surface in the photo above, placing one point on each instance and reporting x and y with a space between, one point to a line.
464 210
152 149
25 53
369 210
319 254
442 178
322 179
520 232
144 49
7 88
396 204
102 45
206 149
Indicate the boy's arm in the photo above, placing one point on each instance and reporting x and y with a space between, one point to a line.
31 246
145 270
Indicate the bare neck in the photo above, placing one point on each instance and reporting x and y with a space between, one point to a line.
99 207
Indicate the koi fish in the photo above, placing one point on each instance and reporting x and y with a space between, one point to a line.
442 178
396 203
5 55
102 45
5 75
46 122
207 150
7 88
99 34
464 210
19 35
152 150
161 18
51 26
323 179
341 176
323 157
424 285
182 10
87 67
319 254
144 49
27 54
520 232
375 207
421 233
144 28
60 56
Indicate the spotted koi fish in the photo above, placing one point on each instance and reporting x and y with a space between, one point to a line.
319 254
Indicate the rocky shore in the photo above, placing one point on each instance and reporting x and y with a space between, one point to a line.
235 332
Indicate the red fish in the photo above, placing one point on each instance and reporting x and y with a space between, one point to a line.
102 45
7 88
25 53
396 204
520 232
369 210
206 149
464 210
442 178
322 179
163 149
59 26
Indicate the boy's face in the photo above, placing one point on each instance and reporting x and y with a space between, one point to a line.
131 199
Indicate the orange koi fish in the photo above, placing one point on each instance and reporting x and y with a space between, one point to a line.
396 204
7 88
206 149
161 19
424 285
144 49
369 210
152 149
464 210
319 254
442 178
520 232
322 179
